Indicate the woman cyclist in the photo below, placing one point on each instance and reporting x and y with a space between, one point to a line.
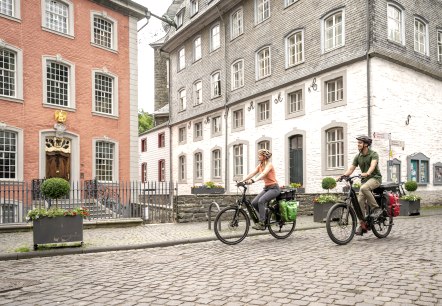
271 188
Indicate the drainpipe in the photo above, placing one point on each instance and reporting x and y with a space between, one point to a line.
368 69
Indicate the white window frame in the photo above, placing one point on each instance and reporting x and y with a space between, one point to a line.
182 168
237 76
263 57
238 160
70 22
262 10
198 164
182 135
193 7
399 23
336 157
15 11
217 164
182 99
334 27
235 121
19 165
298 112
114 34
215 85
179 17
115 161
237 23
198 131
263 111
71 87
299 44
182 59
215 37
197 52
18 72
217 125
115 97
439 45
421 34
198 93
325 81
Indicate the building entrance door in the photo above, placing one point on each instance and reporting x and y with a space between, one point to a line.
58 165
296 160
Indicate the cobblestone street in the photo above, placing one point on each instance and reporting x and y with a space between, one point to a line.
306 269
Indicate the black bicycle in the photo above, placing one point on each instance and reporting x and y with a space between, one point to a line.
341 218
232 223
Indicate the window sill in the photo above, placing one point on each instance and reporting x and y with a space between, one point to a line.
94 113
236 38
217 97
66 108
13 18
422 56
263 78
238 129
67 35
397 44
324 52
11 99
104 48
295 65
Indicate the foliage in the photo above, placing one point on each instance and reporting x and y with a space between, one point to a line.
410 186
295 185
326 198
38 213
328 183
410 197
55 188
209 185
357 185
145 121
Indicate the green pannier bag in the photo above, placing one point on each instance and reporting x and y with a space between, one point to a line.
288 210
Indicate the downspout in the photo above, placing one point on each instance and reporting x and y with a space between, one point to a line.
368 68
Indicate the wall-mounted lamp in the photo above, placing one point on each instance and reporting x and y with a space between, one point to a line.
407 122
278 99
207 121
189 125
314 86
251 106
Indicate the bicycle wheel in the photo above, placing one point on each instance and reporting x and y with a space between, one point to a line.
381 227
278 228
341 223
231 225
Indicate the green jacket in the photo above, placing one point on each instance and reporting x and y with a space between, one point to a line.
364 162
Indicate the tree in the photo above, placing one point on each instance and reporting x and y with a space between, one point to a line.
145 121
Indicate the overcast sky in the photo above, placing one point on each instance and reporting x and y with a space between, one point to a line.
150 33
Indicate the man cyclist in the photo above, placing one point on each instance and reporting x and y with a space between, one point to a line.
368 162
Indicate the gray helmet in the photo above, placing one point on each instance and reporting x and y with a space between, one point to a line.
264 152
365 139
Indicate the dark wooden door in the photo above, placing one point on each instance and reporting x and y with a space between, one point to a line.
58 165
296 160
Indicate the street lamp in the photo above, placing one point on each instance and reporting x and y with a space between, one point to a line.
164 18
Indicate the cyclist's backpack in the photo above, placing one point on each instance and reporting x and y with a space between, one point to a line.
392 203
288 210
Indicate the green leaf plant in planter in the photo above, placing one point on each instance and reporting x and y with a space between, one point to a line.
298 187
55 188
410 203
208 188
325 201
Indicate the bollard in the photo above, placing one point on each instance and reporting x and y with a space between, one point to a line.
210 213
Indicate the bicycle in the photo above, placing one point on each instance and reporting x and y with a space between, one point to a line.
233 222
341 219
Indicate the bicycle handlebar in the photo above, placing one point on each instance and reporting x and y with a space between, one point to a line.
348 178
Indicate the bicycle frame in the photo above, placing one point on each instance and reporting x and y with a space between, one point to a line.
252 211
354 198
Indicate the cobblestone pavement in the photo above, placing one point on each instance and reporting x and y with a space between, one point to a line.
305 269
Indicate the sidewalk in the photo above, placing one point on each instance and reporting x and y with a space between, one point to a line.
105 239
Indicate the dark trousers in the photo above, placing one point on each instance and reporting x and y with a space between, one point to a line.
260 201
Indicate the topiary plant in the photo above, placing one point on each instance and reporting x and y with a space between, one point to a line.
328 183
55 188
410 186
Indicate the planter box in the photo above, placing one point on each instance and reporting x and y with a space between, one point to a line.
58 230
320 211
300 190
205 190
410 208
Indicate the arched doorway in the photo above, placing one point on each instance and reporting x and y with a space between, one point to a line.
296 163
58 157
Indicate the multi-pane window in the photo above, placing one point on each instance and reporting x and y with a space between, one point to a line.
237 23
216 125
263 111
295 101
197 49
333 31
144 145
181 59
198 91
238 160
238 118
144 172
8 73
265 144
335 148
215 85
193 7
57 16
104 88
420 36
295 50
7 7
394 23
214 38
182 135
439 45
103 32
238 74
57 83
8 155
183 101
182 168
198 165
216 162
262 10
161 140
335 90
198 130
162 170
263 63
104 161
179 18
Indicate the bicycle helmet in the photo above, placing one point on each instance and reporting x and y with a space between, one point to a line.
264 152
365 139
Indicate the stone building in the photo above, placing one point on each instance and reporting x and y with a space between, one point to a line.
304 78
68 89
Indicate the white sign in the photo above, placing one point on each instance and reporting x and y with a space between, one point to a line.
377 135
398 143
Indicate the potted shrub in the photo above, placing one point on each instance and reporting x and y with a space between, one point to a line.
325 201
207 188
54 224
410 203
298 187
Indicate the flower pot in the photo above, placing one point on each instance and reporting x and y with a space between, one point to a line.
205 190
58 230
300 190
320 211
410 208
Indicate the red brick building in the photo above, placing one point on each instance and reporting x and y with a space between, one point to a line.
68 89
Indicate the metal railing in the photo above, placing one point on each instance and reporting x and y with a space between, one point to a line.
151 201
